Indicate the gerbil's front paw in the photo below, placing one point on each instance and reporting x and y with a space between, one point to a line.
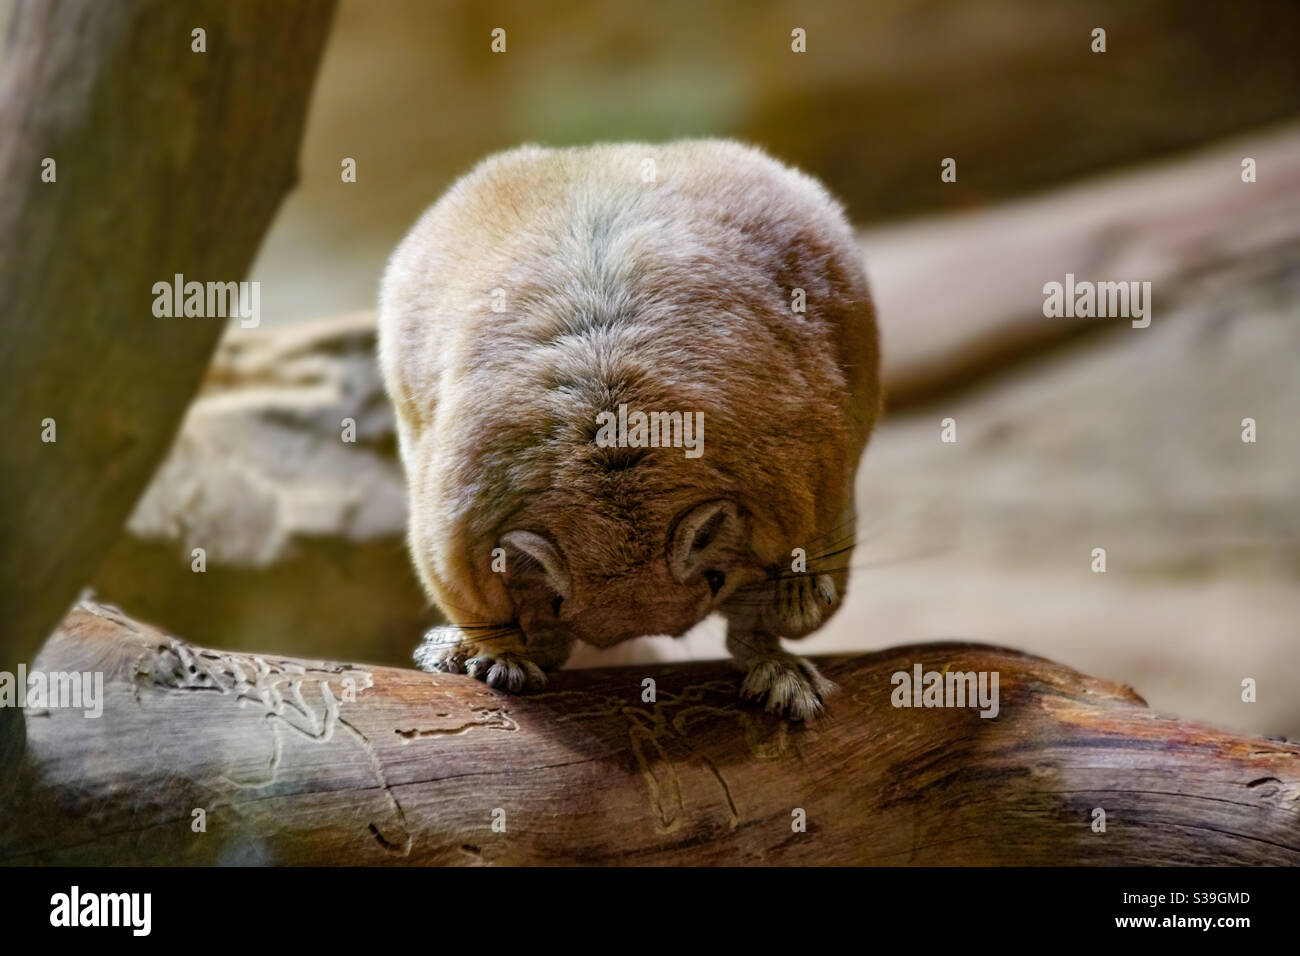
800 603
499 662
506 671
443 651
787 685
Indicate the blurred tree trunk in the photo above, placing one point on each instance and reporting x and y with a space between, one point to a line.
165 161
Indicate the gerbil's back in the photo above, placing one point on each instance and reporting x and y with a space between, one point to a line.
630 258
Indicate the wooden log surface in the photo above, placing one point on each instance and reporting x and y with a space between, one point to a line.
300 762
166 161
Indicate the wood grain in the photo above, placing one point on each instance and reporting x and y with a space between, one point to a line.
290 770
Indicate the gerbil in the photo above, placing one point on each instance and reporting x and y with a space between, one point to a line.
549 286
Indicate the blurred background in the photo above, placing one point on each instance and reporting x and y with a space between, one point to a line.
1072 435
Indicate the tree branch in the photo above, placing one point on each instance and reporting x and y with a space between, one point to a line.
300 762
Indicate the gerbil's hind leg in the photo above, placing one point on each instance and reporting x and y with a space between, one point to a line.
496 656
786 684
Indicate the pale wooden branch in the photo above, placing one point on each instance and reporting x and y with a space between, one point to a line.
166 161
290 767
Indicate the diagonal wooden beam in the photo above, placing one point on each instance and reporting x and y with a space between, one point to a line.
165 161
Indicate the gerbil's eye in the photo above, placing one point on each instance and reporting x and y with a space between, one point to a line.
556 602
716 580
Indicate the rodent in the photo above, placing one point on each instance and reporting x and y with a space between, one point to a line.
549 286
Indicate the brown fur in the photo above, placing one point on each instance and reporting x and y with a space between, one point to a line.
673 295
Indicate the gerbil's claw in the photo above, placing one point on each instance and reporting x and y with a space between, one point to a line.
506 672
788 686
825 586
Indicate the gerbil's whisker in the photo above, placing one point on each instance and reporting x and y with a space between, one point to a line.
759 594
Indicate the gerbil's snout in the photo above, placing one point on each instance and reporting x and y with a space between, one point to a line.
631 609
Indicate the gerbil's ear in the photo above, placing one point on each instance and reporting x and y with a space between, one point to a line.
706 535
527 545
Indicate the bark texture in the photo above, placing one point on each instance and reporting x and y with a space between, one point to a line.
302 762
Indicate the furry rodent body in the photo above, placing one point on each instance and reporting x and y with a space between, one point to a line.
550 285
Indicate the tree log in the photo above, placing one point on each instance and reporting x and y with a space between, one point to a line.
166 161
300 762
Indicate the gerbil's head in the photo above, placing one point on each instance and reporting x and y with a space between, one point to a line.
604 579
